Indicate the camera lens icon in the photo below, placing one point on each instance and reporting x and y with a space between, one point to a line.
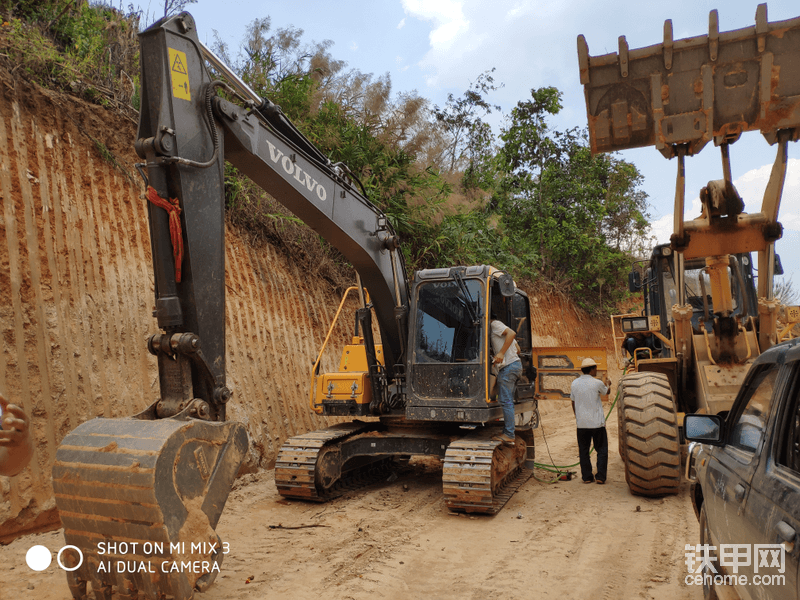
40 557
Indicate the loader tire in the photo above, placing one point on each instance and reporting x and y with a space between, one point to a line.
649 444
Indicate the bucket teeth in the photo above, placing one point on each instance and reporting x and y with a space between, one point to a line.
140 500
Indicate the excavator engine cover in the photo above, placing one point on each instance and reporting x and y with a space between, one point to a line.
140 500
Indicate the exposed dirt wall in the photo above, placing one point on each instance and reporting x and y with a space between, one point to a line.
76 298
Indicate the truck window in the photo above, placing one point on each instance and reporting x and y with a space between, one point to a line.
748 429
789 436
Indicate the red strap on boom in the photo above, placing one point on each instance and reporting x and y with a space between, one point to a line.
174 210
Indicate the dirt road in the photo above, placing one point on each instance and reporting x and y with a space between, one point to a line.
397 540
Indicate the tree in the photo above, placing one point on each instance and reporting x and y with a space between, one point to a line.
526 145
462 120
578 216
173 7
784 291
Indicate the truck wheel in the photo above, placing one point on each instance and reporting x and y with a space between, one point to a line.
709 593
648 435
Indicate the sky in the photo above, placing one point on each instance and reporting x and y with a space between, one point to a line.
438 47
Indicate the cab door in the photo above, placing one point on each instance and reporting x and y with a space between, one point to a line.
521 323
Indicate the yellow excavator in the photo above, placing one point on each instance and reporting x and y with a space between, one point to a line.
703 322
147 492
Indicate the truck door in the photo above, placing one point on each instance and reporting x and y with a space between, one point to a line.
773 509
732 466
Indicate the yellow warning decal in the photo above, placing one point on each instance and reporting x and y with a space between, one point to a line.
180 74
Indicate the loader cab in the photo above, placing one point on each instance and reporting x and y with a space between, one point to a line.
448 368
657 285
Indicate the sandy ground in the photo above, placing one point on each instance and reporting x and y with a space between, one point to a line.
397 540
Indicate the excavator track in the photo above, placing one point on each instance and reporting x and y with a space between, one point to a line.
302 470
480 474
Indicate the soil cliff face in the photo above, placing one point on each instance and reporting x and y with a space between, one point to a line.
76 297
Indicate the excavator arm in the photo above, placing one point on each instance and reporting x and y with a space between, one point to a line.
160 479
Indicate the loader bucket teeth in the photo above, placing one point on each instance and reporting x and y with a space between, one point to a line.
134 495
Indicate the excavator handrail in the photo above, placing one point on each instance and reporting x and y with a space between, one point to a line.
315 369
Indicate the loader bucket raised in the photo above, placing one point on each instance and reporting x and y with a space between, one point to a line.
141 499
692 91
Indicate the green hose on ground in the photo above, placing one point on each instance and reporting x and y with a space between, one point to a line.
558 468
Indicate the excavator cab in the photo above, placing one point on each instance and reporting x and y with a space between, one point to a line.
436 401
450 375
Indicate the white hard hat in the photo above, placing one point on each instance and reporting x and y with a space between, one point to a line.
588 362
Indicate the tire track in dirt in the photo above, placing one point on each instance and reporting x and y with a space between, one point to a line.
573 541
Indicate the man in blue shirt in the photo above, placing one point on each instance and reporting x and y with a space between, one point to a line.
588 408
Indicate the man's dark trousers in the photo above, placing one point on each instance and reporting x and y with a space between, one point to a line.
586 437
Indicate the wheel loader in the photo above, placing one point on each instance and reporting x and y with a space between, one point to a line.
416 375
707 314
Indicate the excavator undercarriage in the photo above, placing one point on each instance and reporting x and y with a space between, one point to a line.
479 474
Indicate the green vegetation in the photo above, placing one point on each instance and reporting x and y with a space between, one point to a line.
88 49
531 200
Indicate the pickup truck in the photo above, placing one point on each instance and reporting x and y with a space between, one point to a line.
745 472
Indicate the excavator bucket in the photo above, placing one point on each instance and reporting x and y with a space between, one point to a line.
139 501
695 90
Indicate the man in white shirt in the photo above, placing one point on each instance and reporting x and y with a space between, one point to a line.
509 370
588 408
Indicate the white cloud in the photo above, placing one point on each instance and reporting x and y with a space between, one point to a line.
751 188
447 16
519 10
401 24
523 39
353 46
664 227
